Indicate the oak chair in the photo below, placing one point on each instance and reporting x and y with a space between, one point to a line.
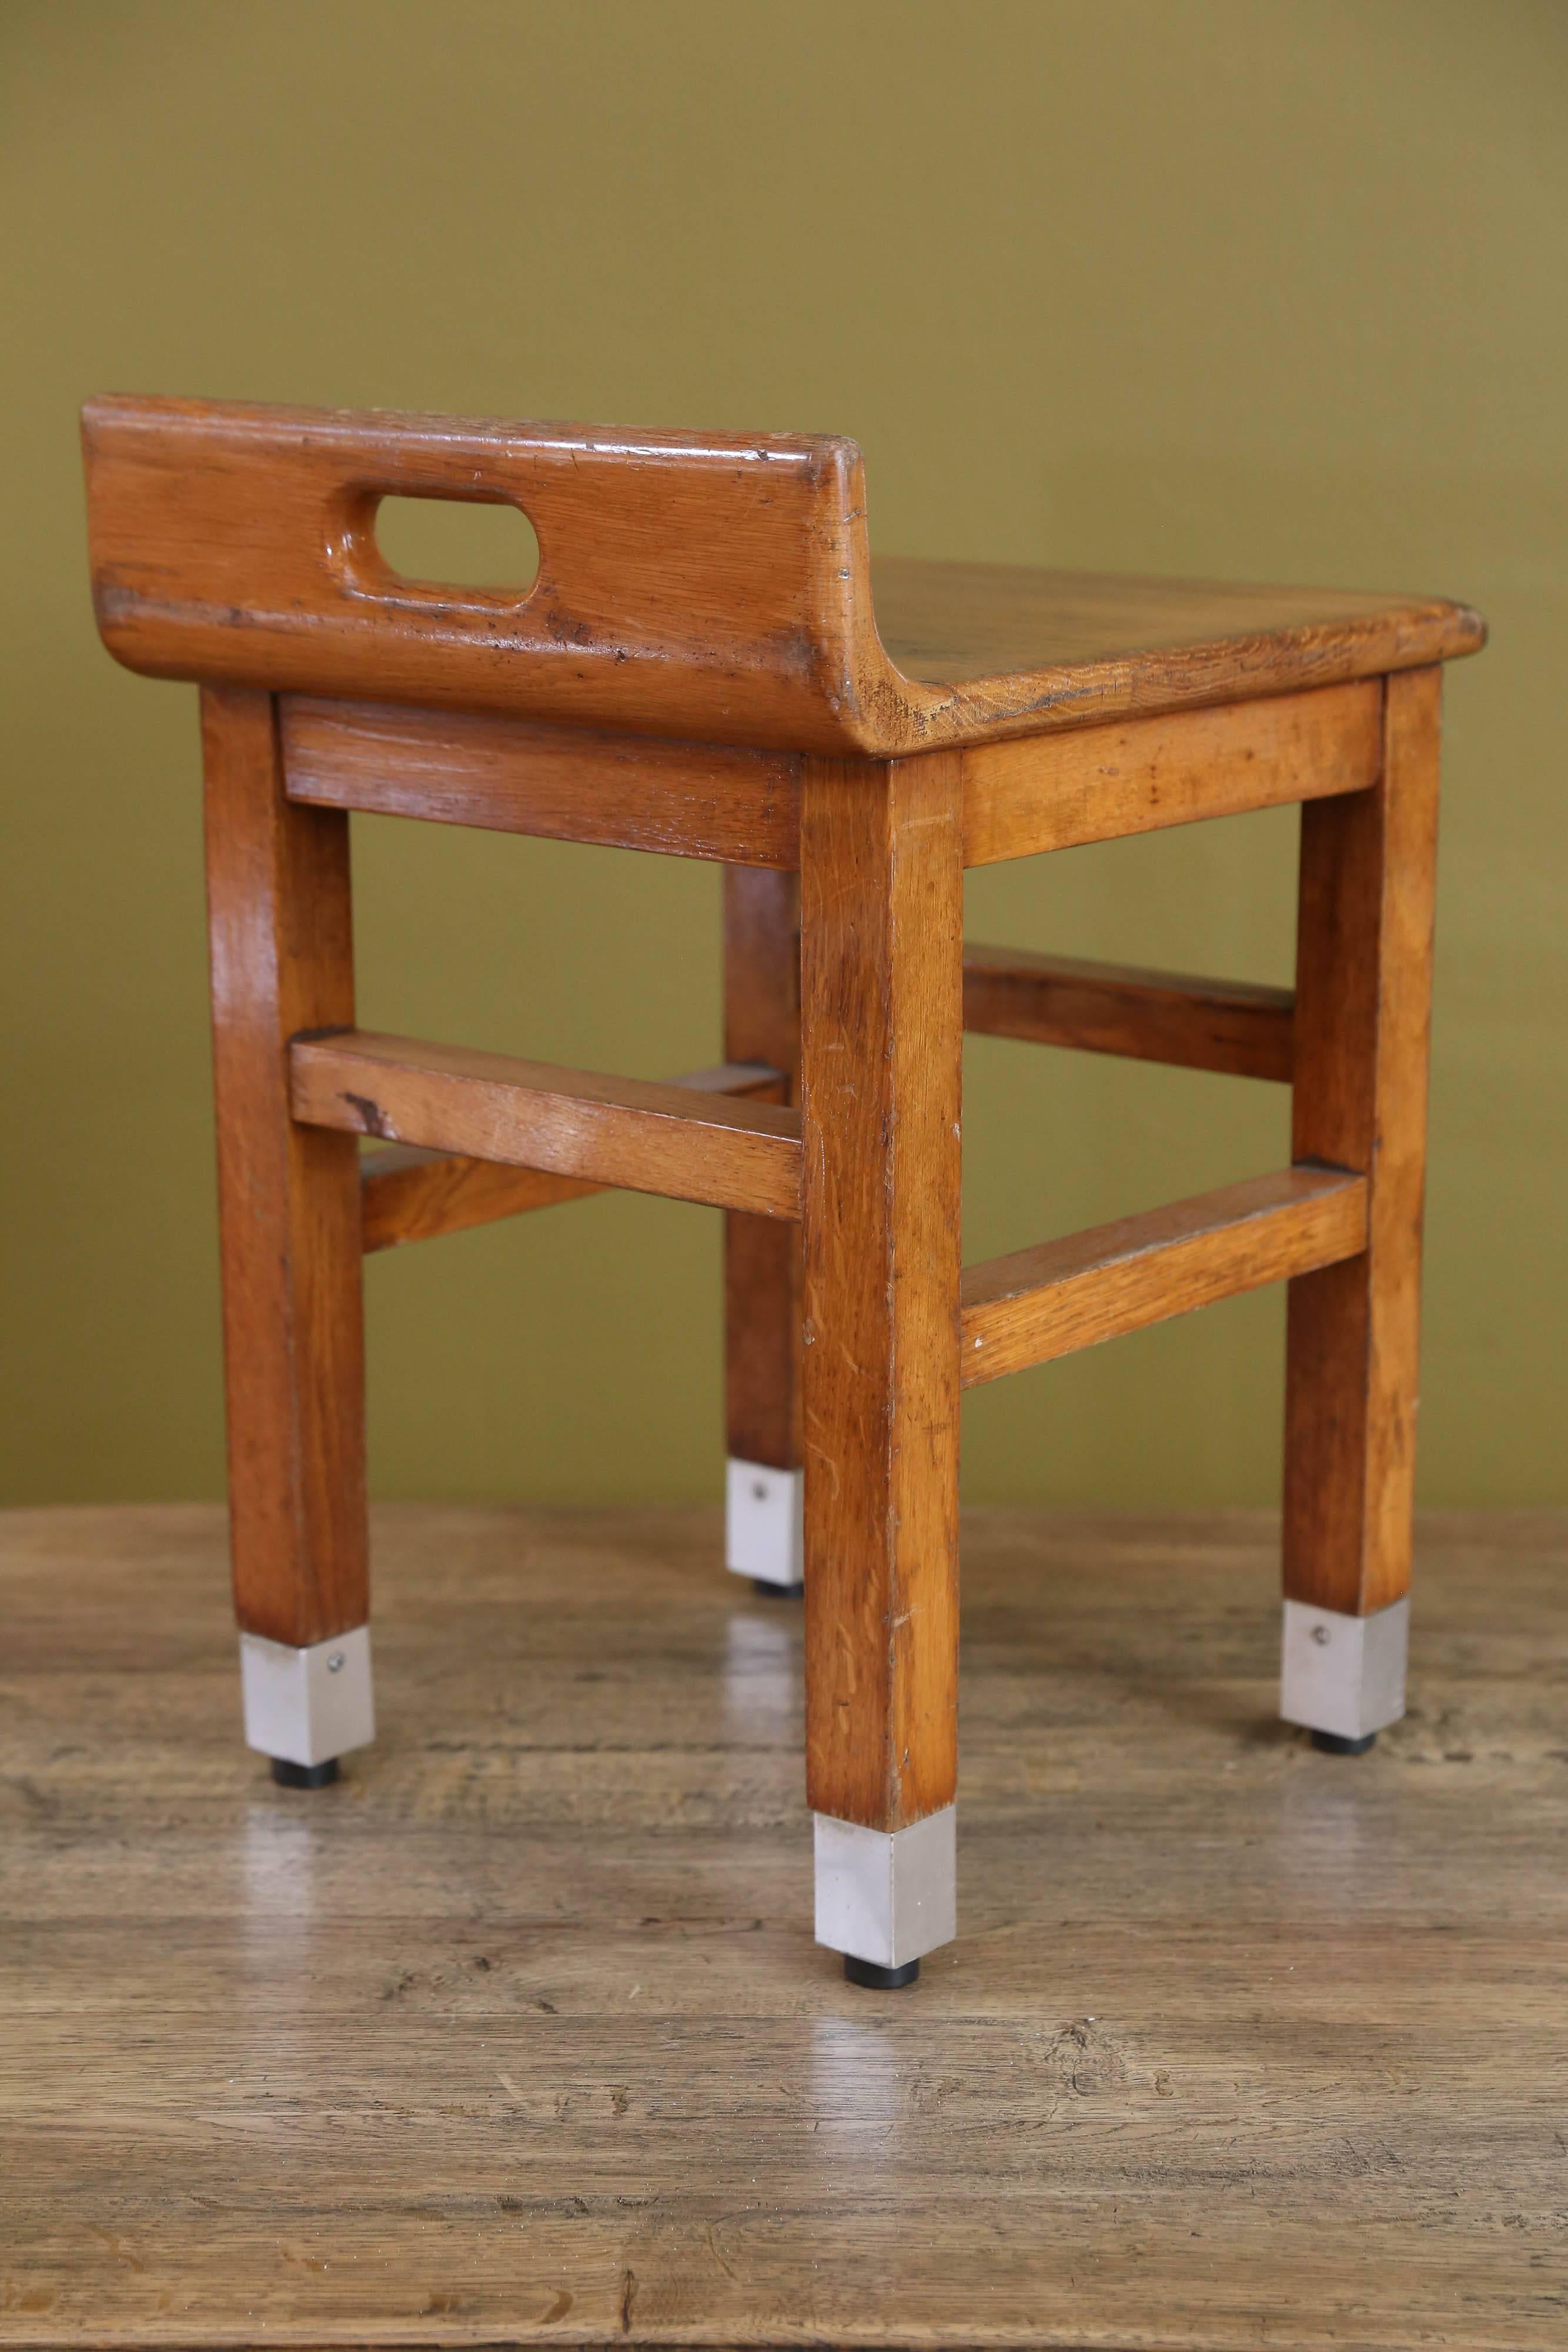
697 670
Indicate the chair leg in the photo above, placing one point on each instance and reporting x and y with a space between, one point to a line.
1362 1029
763 1500
282 962
882 1010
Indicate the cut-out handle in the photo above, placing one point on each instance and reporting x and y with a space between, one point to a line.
463 543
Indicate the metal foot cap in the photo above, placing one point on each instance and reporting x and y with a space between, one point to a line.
307 1706
1344 1674
764 1535
886 1896
766 1592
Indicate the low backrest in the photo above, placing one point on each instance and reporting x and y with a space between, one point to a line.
715 588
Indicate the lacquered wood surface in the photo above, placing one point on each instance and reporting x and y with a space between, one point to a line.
688 584
562 783
762 1255
881 1002
518 2035
1363 1027
1237 1027
410 1194
686 1143
281 949
1059 1296
716 587
968 626
1143 774
1051 791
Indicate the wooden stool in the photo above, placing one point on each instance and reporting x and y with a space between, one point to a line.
697 670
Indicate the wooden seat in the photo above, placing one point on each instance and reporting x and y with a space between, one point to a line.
709 665
1020 649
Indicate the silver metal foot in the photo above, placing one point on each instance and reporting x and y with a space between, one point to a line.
1344 1675
764 1523
307 1707
887 1895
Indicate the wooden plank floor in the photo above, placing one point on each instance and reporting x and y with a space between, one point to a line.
518 2034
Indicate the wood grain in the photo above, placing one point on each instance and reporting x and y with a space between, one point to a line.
408 1194
282 959
1056 791
688 585
1050 791
714 587
761 1255
1089 646
882 1049
1363 994
563 783
1037 1304
520 2031
1232 1025
647 1137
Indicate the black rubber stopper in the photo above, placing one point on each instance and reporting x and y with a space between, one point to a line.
766 1591
304 1776
878 1978
1335 1743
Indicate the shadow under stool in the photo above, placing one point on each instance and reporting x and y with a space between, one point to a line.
698 669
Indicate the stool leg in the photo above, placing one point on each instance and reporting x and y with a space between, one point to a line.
763 1533
881 1013
1362 1029
282 962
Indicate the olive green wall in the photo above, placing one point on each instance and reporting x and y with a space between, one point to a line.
1263 290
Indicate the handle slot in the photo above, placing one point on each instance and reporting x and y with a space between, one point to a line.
433 544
